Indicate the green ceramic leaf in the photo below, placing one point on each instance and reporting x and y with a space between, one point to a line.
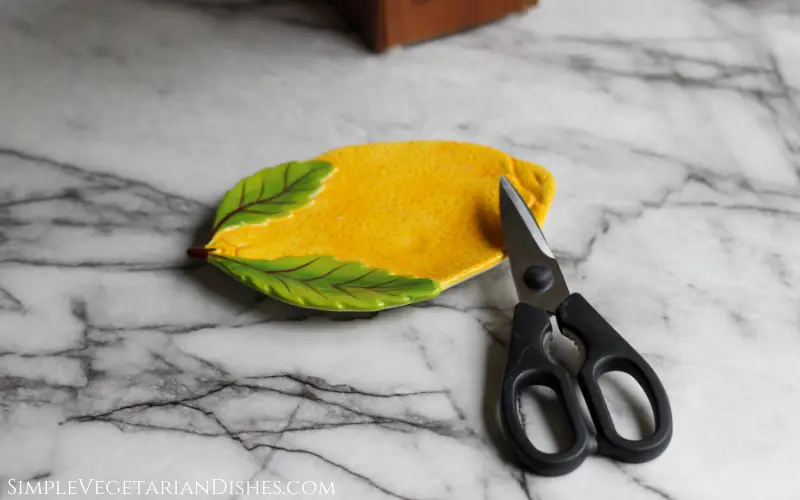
326 283
272 192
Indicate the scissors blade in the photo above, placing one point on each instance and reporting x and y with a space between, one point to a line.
528 251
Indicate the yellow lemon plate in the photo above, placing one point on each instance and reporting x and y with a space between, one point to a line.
372 226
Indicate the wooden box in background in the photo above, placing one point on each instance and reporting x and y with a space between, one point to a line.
386 23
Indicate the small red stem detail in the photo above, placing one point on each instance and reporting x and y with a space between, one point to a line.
199 252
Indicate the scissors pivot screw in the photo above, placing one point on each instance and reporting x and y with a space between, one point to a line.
538 278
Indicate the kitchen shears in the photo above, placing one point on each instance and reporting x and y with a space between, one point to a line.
543 293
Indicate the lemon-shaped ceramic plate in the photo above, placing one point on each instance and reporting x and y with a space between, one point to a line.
372 226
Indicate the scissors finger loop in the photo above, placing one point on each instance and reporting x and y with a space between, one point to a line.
529 366
607 351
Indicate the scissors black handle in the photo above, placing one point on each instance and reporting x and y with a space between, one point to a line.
528 365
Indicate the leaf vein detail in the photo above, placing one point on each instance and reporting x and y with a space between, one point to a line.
371 271
287 187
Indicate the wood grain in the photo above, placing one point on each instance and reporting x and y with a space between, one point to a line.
386 23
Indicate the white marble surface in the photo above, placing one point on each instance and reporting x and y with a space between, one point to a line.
673 130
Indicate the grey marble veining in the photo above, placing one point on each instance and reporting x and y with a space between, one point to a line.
673 132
